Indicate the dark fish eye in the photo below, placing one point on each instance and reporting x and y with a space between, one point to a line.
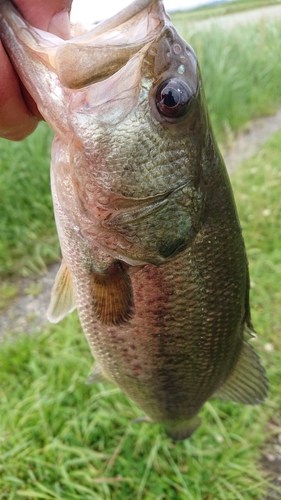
172 98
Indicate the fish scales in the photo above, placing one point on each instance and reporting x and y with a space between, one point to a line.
153 254
170 299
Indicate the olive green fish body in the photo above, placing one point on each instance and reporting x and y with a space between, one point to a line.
153 255
186 331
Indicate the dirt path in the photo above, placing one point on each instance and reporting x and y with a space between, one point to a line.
248 143
28 310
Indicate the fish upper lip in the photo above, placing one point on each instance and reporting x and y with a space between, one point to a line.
105 49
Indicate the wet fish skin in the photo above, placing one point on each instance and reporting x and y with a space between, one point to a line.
153 255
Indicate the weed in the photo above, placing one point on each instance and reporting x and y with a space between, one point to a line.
241 71
28 235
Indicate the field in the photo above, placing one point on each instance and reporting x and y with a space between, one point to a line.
62 439
222 9
244 63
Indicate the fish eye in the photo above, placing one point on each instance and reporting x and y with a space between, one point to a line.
172 98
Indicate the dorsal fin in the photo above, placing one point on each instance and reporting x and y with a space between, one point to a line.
113 295
62 296
247 384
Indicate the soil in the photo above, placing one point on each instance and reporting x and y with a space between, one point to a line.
27 311
247 143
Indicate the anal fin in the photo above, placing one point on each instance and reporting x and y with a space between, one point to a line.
112 295
62 296
247 384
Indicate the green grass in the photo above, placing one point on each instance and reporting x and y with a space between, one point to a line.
28 235
62 439
8 292
257 185
241 71
233 7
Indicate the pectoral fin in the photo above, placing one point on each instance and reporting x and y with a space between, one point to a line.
113 295
141 420
62 296
247 384
97 376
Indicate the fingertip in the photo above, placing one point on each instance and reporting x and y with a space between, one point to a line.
20 131
16 119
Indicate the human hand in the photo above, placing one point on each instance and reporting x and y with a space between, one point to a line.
19 115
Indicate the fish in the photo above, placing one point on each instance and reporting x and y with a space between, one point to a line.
153 257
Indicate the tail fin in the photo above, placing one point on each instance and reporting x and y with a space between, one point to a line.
184 430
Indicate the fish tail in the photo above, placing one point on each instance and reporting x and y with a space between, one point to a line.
184 430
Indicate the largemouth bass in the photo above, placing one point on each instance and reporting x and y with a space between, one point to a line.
153 255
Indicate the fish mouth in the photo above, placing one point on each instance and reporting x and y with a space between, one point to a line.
96 54
101 52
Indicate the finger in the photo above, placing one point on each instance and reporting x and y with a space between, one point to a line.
16 120
18 111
